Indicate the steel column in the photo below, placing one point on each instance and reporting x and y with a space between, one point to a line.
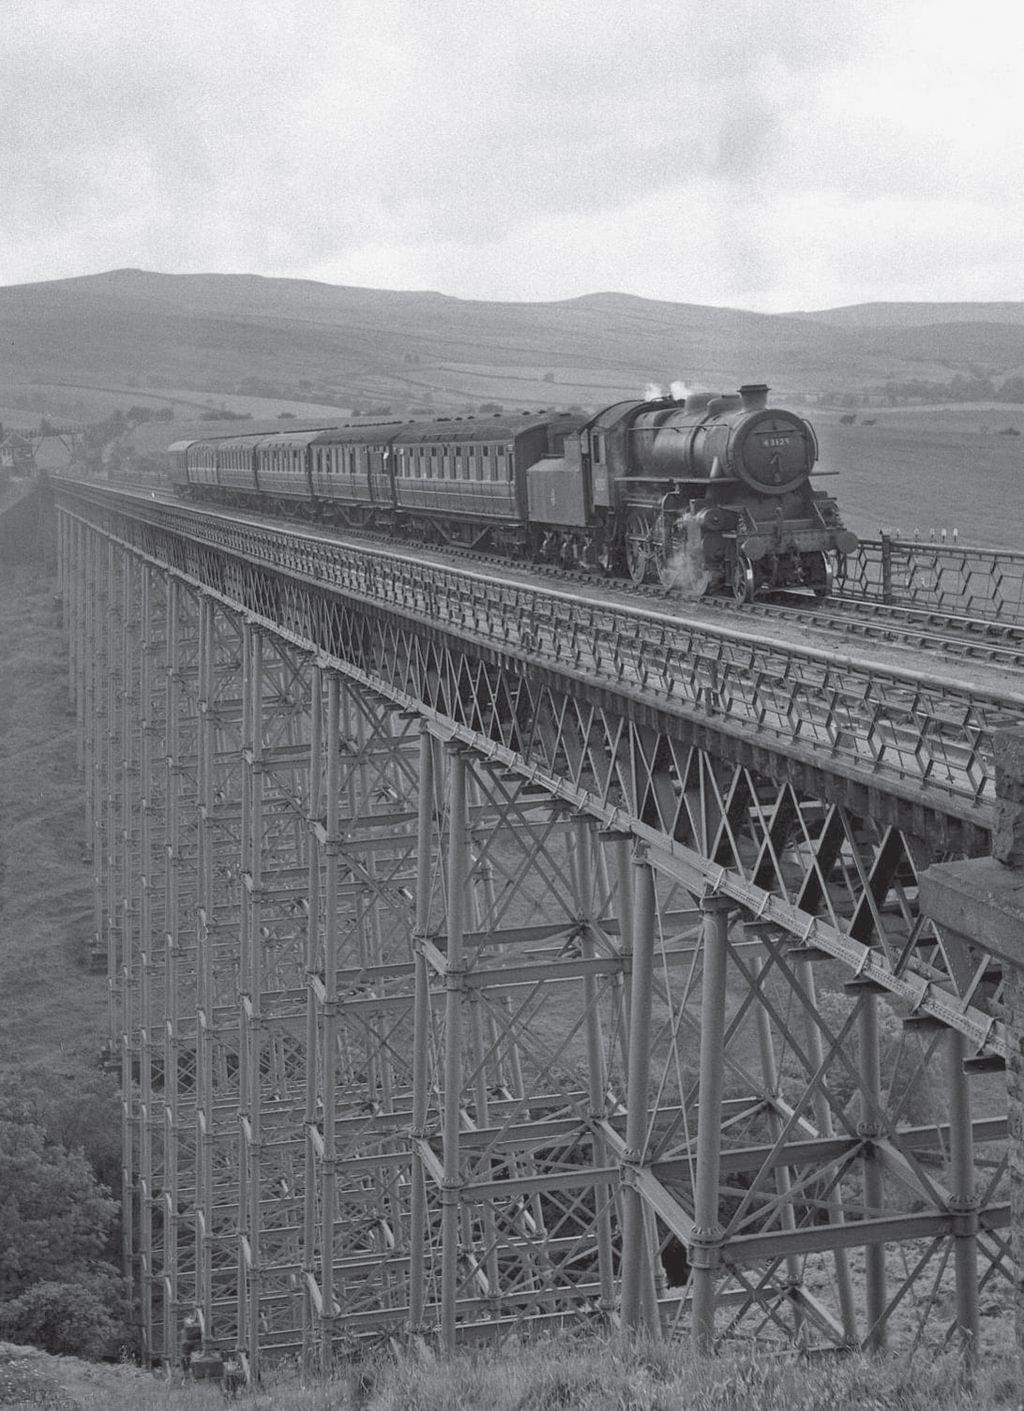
635 1268
418 1231
457 877
963 1200
874 1194
707 1231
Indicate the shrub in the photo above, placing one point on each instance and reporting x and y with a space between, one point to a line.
54 1214
62 1318
56 1288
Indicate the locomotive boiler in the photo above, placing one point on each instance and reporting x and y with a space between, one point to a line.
706 492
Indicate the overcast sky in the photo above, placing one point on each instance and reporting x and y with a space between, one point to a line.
765 154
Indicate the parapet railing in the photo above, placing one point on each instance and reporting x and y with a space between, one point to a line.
944 577
903 731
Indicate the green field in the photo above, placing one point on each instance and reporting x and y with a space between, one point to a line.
926 469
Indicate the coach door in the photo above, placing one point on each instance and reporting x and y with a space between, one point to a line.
382 490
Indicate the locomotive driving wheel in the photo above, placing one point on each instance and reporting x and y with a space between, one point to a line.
639 547
743 579
660 558
822 576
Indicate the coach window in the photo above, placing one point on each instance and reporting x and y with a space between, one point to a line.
598 449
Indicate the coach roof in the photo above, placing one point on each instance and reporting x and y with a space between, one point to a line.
479 429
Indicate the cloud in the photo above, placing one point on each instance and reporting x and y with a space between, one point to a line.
525 150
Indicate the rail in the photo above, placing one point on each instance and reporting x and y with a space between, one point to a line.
953 578
902 730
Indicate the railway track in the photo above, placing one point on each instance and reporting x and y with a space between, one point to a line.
946 635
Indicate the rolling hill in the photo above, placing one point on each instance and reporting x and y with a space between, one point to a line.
77 347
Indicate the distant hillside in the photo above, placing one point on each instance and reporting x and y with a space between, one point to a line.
78 347
915 315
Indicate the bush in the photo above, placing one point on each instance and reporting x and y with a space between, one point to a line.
67 1319
56 1288
87 1118
54 1214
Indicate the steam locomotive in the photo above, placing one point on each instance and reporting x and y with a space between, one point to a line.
707 492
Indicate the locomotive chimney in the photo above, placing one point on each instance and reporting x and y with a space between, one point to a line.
755 396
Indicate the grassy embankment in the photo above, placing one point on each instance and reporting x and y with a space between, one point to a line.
54 1006
554 1375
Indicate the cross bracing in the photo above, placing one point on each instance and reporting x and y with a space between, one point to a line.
452 1002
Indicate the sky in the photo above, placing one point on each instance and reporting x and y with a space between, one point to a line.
760 154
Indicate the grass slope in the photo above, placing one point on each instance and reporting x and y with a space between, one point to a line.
560 1374
926 469
240 335
54 1007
